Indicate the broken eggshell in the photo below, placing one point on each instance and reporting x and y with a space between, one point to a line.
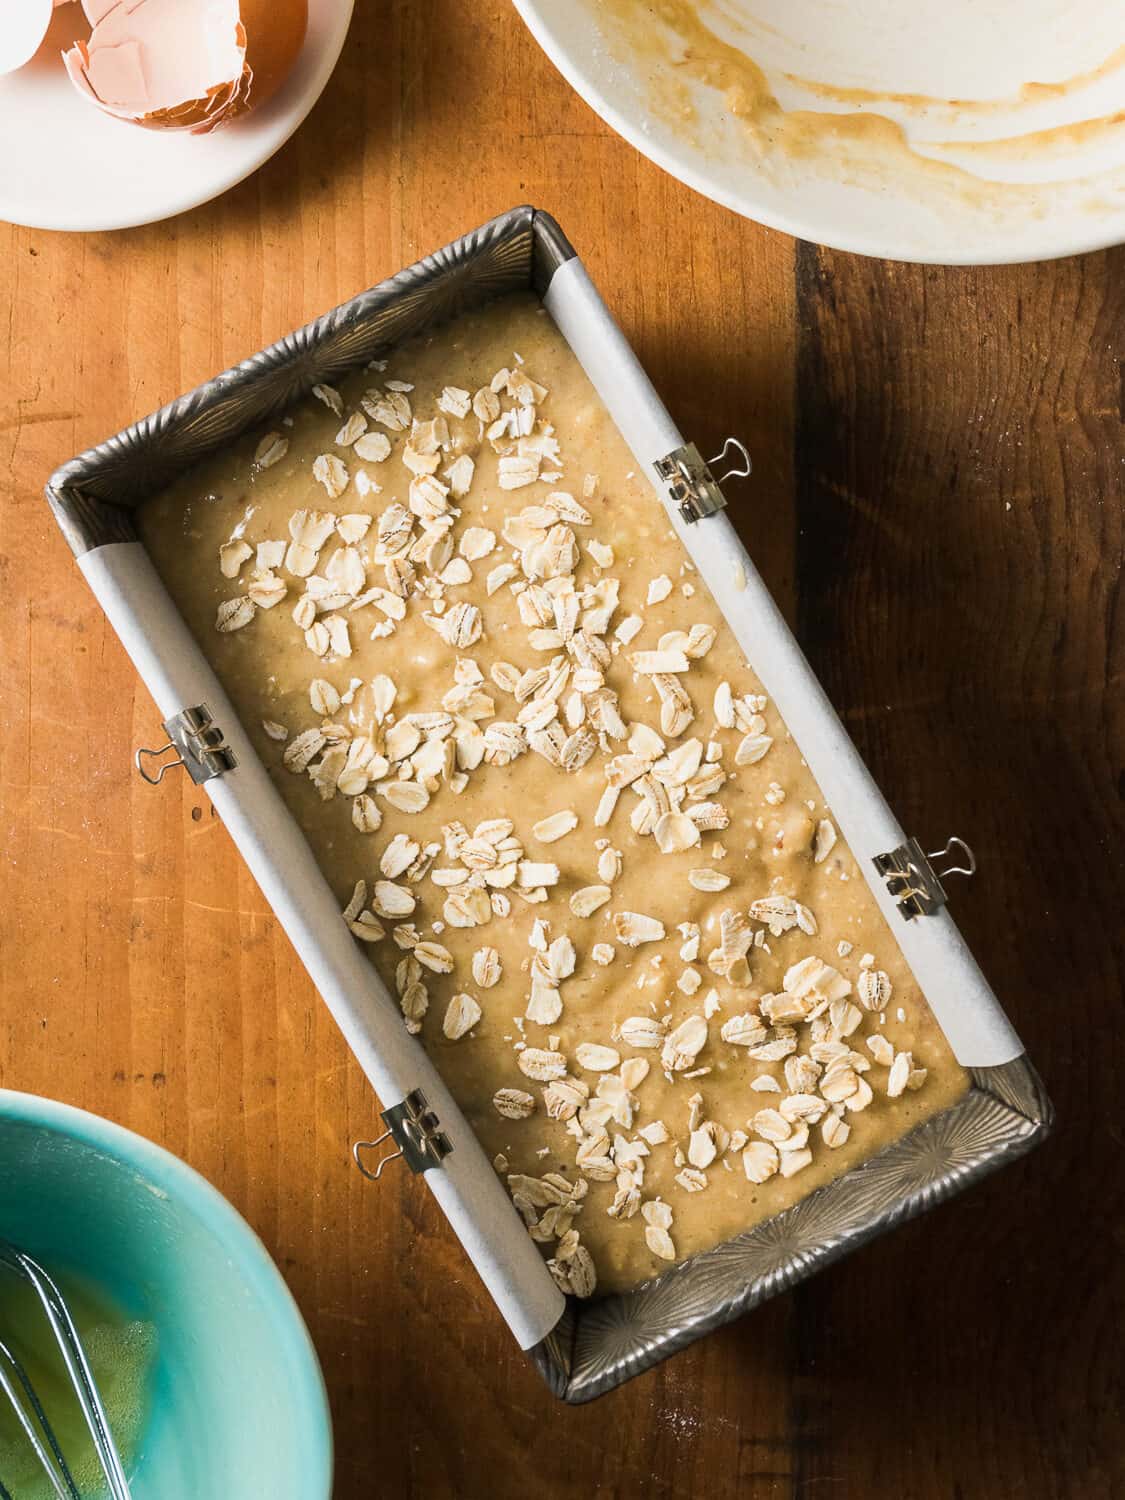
23 25
185 64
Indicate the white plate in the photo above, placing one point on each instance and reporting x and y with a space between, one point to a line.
65 165
998 139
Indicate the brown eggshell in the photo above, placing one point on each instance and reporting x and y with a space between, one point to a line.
275 32
22 33
263 42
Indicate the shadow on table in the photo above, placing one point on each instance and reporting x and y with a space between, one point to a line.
959 505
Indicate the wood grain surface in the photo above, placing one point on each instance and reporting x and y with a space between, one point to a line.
937 503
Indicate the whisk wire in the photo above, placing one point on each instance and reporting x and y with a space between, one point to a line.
35 1423
38 1431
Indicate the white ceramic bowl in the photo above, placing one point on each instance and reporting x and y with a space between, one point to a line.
953 131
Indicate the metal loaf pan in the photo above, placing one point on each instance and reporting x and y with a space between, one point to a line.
582 1349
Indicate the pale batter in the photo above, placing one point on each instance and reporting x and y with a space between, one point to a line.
578 841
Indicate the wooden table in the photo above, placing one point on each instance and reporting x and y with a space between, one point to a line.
937 502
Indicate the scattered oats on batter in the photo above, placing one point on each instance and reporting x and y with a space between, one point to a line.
520 745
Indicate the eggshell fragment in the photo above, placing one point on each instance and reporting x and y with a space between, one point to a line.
185 64
23 26
275 30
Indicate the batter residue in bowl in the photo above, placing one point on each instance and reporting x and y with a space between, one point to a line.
679 45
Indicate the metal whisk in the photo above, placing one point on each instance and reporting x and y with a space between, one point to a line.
16 1386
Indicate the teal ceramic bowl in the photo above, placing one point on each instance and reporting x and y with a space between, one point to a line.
238 1407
